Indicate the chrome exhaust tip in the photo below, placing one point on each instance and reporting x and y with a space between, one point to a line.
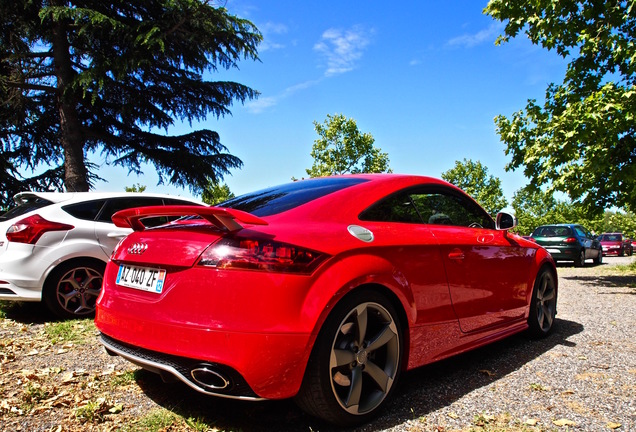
208 378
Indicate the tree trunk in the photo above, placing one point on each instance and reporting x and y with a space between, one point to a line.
71 137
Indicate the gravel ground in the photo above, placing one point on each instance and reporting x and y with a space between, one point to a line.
582 377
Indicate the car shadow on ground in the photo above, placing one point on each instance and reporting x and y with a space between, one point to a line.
26 312
420 392
606 281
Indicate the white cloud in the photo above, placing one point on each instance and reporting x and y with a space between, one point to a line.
261 104
270 29
342 49
471 40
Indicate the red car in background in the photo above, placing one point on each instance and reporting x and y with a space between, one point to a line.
323 290
612 244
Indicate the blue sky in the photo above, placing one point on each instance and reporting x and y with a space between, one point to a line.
424 78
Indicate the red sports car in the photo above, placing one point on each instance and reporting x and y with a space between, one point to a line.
323 290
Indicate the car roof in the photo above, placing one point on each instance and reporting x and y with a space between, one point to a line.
58 197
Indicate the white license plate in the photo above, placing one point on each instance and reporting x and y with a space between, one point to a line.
552 251
141 278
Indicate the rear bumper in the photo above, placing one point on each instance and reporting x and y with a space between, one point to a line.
258 365
563 253
613 250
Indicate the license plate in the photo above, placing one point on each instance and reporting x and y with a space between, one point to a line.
553 251
141 278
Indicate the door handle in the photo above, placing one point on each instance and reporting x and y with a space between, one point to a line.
456 254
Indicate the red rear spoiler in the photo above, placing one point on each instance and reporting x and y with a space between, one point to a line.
224 218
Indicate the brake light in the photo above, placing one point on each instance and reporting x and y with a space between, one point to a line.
29 230
570 240
263 255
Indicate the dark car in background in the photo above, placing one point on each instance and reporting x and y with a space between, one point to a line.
569 242
612 244
628 246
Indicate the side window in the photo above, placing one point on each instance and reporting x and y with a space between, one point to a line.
395 208
87 210
113 205
429 205
447 208
581 232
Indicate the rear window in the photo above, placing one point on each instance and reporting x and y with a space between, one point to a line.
552 231
278 199
28 204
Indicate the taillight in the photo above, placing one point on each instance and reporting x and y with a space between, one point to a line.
570 240
29 230
264 255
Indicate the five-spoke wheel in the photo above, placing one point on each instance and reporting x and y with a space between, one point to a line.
356 361
543 304
72 289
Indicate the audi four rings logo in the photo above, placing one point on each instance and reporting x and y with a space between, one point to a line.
137 248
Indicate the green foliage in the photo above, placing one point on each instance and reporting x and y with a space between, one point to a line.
472 178
581 141
215 193
106 77
136 188
617 222
342 149
535 208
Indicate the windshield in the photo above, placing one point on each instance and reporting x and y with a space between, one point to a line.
28 203
285 197
611 237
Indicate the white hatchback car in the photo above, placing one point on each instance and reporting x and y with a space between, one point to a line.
54 246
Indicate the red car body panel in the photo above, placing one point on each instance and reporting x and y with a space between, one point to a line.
457 288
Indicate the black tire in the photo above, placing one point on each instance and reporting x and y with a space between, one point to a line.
71 290
599 258
580 260
543 306
356 361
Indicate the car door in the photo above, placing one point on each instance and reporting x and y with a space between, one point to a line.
589 241
486 269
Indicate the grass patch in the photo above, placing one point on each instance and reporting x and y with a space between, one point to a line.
500 423
629 269
33 393
124 379
162 420
79 331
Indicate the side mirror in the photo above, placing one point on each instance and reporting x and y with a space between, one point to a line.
506 219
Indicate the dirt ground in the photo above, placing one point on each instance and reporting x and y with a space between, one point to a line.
55 376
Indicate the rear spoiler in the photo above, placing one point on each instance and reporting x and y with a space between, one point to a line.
223 218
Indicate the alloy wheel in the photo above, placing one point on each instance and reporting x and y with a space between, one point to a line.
546 302
78 289
365 358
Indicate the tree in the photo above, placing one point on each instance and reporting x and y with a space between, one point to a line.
113 77
342 149
136 188
472 178
582 140
216 193
535 207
